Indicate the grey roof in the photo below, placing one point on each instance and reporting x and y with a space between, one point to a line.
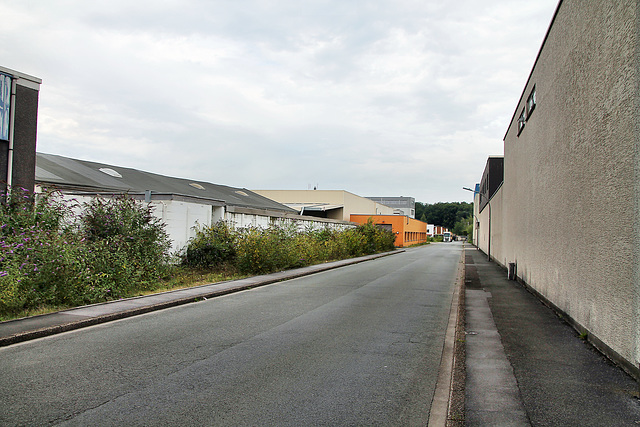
81 175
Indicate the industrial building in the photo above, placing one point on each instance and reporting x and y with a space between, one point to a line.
565 216
182 204
409 231
401 205
19 93
334 204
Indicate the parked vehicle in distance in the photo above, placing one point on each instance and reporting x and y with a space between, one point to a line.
446 236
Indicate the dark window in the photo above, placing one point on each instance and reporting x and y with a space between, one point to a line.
531 102
521 120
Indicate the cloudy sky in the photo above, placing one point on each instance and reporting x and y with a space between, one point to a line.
376 97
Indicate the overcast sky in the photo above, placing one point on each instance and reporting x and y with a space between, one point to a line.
376 97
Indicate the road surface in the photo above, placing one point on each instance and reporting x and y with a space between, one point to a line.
358 345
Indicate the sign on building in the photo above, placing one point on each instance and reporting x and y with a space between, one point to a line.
5 106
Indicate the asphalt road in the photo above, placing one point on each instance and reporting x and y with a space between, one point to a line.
359 345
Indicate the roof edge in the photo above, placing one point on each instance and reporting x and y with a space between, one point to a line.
524 89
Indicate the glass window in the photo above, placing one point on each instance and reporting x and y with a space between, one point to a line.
531 102
521 120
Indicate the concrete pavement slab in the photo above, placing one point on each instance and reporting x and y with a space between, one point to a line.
491 394
560 379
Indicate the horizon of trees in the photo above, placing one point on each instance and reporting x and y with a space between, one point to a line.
446 214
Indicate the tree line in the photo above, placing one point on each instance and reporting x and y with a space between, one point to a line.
456 216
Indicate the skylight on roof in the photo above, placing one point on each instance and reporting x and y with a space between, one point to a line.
111 172
242 193
198 186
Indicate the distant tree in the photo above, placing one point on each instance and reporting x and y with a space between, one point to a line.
470 232
445 214
461 228
420 211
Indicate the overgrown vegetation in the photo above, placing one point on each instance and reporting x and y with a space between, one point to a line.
463 227
51 257
456 216
263 250
61 254
444 214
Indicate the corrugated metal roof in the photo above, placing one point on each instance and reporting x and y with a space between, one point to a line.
81 175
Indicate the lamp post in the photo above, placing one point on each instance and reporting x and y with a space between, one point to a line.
478 222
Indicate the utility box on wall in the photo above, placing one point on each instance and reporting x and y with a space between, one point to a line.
18 129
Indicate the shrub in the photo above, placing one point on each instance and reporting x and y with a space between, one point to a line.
115 247
368 239
127 246
263 250
49 256
211 246
255 250
31 238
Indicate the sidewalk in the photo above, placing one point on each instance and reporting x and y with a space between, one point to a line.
525 366
19 330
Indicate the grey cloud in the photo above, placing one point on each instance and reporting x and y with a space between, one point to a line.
376 97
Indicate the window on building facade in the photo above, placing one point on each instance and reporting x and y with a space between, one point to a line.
531 102
521 120
527 110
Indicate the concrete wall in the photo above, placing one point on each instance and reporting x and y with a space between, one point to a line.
182 215
488 235
569 203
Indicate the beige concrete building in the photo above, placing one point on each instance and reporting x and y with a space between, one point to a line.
568 212
332 204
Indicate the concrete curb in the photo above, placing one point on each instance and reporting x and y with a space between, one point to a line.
86 316
447 399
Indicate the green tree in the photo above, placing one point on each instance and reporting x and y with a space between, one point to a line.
420 211
461 228
445 214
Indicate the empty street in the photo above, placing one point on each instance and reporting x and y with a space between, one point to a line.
358 345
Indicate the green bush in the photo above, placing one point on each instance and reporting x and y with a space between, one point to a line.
255 250
376 238
32 240
49 256
115 248
469 232
211 247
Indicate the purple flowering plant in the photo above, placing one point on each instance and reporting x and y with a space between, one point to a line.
50 255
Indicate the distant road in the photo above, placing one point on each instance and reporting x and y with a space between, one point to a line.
359 345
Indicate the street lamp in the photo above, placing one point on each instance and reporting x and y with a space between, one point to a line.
478 222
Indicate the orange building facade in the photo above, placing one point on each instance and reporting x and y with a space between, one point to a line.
408 231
